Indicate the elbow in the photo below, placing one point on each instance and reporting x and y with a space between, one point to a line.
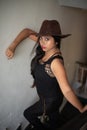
26 32
67 91
26 29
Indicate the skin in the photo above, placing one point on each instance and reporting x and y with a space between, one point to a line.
49 47
25 33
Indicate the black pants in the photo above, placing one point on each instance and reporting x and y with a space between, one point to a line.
68 119
52 110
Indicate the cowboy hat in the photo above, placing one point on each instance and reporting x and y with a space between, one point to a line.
52 28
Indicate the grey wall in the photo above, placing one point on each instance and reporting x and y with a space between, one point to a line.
16 93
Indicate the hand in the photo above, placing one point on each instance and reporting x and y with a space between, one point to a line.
9 53
84 109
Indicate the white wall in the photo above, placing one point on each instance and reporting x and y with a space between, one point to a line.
15 78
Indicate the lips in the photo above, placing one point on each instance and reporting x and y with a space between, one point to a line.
43 47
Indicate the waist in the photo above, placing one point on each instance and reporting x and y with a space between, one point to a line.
49 99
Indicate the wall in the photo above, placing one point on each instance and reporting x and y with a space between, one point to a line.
16 93
76 3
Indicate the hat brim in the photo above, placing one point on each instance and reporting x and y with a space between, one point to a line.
60 36
64 36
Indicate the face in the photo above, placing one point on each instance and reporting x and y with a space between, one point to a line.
47 43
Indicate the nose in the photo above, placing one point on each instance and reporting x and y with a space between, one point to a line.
42 41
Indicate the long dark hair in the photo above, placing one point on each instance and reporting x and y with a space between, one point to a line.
39 53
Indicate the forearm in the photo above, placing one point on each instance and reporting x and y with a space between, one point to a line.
73 99
25 33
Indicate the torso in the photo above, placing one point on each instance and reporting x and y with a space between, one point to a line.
46 83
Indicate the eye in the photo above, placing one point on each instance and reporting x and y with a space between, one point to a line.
46 39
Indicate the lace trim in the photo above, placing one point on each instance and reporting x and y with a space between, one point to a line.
48 70
41 62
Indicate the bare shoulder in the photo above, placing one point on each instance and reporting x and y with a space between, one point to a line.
57 62
57 65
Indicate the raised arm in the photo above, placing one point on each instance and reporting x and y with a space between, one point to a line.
25 33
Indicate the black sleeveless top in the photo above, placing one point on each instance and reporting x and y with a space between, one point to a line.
46 83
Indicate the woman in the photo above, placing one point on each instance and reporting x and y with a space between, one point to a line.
47 69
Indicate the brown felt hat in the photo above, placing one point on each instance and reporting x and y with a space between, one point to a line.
52 28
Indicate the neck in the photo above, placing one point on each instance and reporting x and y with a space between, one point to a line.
52 51
49 53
